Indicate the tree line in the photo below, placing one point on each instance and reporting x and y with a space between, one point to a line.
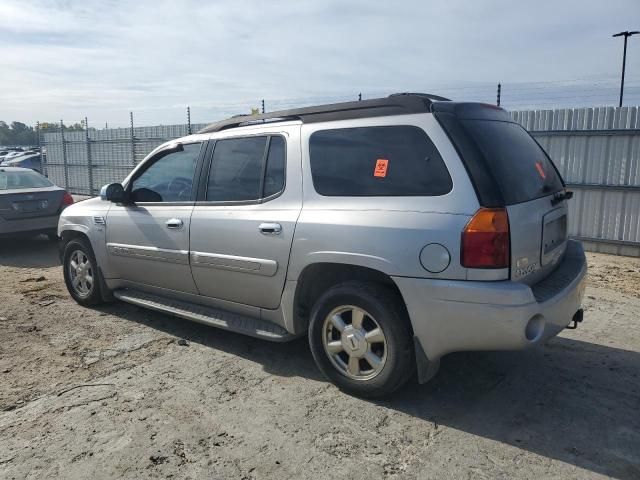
18 133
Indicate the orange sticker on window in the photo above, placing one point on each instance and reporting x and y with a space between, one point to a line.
541 170
381 168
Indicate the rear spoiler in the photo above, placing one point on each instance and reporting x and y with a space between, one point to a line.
472 111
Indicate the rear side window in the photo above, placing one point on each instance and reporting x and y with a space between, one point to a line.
274 171
246 169
377 161
236 169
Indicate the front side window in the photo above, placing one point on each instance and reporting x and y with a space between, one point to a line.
246 169
377 161
168 179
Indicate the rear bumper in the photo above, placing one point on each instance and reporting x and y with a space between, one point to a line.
29 225
449 316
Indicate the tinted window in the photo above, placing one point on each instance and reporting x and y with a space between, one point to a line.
520 167
27 179
377 161
168 179
236 169
274 172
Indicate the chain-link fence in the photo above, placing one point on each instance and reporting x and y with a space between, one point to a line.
83 161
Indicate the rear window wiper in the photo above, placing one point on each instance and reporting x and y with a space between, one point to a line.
560 196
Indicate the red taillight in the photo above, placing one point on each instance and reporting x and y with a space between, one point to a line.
485 240
67 199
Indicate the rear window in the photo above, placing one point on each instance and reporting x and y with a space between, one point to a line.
12 180
519 165
504 162
377 161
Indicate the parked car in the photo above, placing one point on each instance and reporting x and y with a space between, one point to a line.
29 203
389 231
27 160
10 154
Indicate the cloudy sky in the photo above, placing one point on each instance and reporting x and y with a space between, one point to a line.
101 59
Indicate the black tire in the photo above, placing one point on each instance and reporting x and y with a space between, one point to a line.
383 306
94 294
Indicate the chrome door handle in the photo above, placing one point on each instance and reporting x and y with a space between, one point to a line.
174 223
270 228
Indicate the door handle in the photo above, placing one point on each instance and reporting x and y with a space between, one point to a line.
270 228
174 223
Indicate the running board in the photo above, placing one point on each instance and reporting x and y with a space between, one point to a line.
206 315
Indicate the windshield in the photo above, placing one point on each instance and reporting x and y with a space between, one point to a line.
15 180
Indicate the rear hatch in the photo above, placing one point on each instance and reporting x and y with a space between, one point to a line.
510 170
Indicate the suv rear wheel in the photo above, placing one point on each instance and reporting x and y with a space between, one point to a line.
81 272
360 339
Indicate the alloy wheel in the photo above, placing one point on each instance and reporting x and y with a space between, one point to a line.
81 273
354 342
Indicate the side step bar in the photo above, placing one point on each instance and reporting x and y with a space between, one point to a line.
206 315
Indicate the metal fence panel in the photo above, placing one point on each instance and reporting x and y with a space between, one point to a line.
597 151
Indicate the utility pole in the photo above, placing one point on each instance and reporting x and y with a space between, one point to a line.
499 92
626 35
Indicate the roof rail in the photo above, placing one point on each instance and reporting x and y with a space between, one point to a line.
396 104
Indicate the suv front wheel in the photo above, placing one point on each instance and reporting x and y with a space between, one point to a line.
360 339
81 272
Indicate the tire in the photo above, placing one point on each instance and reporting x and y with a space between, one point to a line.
85 293
340 355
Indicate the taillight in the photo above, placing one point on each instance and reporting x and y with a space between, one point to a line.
485 240
67 199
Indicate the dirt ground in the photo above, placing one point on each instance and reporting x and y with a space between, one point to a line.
111 393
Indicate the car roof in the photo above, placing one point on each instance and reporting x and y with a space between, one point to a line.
396 104
15 169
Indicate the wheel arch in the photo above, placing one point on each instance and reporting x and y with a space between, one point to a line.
316 278
69 234
81 232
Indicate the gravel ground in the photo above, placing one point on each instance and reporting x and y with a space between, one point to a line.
113 393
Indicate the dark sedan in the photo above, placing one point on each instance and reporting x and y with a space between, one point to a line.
29 203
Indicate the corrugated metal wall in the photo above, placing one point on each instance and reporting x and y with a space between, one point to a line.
596 149
598 153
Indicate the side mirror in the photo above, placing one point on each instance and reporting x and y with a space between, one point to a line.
114 192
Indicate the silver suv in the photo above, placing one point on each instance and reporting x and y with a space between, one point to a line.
390 231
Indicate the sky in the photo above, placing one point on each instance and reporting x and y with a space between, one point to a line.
63 59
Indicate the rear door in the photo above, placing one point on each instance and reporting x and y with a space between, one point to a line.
243 223
511 170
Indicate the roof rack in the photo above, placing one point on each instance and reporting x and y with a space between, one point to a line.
395 104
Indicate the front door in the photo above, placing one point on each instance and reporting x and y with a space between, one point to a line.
148 239
243 224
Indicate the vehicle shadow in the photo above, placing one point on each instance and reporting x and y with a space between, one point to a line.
573 401
288 359
28 252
